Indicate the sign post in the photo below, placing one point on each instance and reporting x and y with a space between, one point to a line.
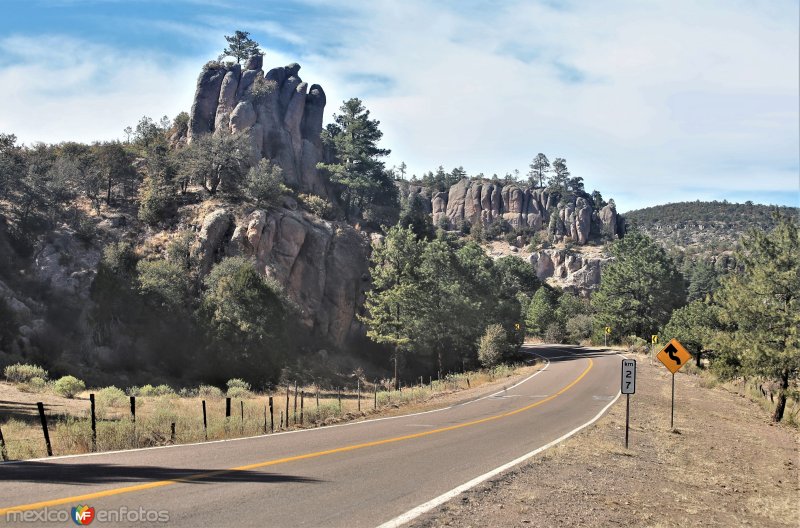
654 342
628 387
605 335
673 356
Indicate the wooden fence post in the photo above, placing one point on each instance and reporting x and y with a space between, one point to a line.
302 399
40 405
3 452
358 388
281 418
94 423
287 406
242 423
317 399
227 407
339 390
375 406
294 416
172 432
205 420
265 419
271 417
133 420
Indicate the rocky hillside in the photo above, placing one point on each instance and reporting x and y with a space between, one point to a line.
703 229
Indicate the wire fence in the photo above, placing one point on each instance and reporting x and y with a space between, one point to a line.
172 419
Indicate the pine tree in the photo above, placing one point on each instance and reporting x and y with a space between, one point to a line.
539 166
240 46
760 309
357 168
639 289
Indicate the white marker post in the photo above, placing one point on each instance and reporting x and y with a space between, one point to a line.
628 387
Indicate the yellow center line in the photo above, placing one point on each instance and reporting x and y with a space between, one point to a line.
161 483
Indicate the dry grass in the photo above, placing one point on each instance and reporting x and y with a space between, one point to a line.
70 429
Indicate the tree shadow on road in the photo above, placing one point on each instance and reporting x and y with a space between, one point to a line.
81 474
560 353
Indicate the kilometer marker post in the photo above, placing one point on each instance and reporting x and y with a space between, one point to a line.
628 387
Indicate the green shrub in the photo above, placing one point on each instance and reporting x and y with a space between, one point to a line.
69 386
111 397
238 388
554 333
164 390
579 328
21 373
209 391
33 385
264 183
317 205
492 345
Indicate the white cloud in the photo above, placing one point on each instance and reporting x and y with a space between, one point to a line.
647 101
59 88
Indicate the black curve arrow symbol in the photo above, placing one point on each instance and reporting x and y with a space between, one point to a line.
671 352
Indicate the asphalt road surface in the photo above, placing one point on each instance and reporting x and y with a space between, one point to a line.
365 473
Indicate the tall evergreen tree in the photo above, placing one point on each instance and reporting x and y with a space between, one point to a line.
356 166
539 167
760 309
639 289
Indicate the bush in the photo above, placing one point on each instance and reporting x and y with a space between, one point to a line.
111 397
554 333
209 391
317 205
69 386
492 345
579 328
238 388
21 373
33 385
264 183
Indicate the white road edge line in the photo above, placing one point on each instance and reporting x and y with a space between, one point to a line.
441 499
211 442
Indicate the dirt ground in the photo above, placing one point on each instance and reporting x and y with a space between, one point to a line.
723 465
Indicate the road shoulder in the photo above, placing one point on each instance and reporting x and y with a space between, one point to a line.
724 465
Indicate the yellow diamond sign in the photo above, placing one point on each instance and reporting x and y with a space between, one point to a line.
674 356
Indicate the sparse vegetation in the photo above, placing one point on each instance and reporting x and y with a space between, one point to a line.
22 372
68 386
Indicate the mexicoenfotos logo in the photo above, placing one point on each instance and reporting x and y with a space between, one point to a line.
82 515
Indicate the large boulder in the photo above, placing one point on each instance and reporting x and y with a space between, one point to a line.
608 217
324 266
216 230
456 199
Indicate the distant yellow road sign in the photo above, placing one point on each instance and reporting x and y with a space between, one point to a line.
674 356
654 339
516 326
608 329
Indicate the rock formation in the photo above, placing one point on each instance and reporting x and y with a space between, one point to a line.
281 114
323 265
571 271
474 201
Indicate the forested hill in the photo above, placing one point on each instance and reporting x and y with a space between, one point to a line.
703 228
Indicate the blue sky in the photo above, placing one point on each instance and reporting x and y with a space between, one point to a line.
649 101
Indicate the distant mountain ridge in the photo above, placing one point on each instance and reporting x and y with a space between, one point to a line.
703 229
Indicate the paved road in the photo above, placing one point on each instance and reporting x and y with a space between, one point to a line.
360 474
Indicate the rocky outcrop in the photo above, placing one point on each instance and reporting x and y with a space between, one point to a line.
571 271
613 224
281 114
323 265
474 201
